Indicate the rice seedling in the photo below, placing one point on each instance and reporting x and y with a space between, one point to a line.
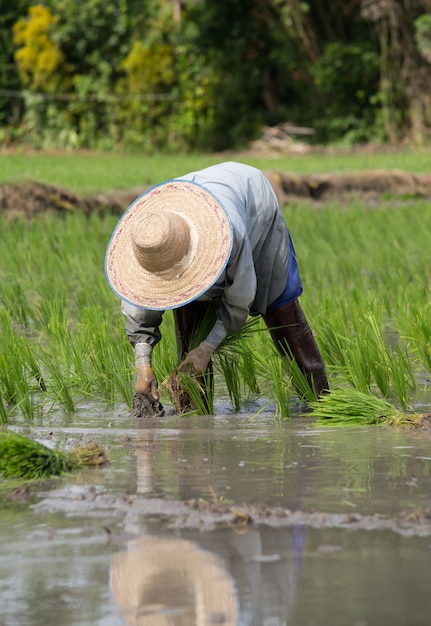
3 412
416 328
14 299
24 458
20 373
230 370
165 357
348 406
403 380
60 384
190 394
278 384
21 457
234 360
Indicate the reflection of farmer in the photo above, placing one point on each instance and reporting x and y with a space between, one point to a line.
266 565
230 578
171 582
212 240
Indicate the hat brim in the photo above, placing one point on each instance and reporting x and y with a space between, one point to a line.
160 291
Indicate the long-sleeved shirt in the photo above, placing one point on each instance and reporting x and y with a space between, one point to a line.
257 270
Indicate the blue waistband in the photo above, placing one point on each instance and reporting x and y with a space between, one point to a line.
293 288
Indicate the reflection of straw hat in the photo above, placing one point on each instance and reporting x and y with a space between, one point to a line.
169 247
172 582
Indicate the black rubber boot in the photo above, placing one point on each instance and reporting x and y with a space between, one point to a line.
292 335
193 322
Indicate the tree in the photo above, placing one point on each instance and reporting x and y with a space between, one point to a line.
405 77
10 104
38 58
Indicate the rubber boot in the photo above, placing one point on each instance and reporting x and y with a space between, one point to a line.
192 325
292 335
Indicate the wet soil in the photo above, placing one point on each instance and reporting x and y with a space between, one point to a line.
208 515
30 197
143 406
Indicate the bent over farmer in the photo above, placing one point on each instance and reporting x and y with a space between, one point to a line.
213 239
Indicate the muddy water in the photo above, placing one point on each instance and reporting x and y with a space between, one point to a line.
223 520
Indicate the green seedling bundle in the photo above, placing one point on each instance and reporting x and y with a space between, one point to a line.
25 458
366 295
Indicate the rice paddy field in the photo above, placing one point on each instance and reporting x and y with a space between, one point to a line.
305 522
366 274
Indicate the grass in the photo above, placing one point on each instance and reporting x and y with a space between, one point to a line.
365 272
96 172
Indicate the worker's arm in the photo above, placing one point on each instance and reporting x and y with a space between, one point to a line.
237 297
143 332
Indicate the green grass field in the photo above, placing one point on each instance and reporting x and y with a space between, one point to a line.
92 172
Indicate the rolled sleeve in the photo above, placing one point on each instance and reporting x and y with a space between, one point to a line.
142 325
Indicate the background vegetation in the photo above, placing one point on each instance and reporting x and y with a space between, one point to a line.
203 74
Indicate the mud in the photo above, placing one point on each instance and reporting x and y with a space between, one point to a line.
30 198
143 406
205 515
368 185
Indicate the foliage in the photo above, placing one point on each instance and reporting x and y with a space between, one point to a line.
130 73
10 107
347 76
39 59
405 85
423 35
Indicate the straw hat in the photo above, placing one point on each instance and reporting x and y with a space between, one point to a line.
169 247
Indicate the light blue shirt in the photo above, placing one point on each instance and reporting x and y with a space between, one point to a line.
257 270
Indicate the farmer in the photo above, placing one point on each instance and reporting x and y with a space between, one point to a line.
211 241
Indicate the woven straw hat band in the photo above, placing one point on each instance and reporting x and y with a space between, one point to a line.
160 240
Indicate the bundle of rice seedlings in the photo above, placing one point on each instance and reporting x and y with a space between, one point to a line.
22 457
188 392
87 454
352 407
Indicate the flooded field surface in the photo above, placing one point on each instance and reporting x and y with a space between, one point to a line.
230 519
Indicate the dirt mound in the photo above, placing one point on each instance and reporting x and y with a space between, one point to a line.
368 184
30 198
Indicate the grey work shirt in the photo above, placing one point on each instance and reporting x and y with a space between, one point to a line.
256 272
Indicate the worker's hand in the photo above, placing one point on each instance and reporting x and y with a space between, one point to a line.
146 382
197 360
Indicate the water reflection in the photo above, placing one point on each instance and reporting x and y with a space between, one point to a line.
233 577
230 578
368 470
172 582
58 549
